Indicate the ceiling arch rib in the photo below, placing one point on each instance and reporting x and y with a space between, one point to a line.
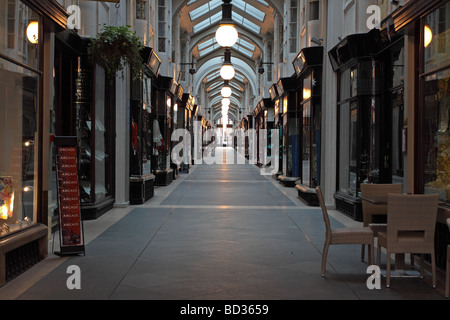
215 64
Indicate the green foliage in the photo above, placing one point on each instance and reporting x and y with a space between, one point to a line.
116 47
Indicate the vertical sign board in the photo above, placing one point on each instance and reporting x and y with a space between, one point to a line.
70 223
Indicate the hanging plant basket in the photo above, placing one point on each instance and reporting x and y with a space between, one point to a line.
114 48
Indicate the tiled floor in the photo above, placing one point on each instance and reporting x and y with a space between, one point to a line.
222 231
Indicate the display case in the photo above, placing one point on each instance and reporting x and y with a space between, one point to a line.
165 90
264 117
308 68
359 96
95 122
288 102
176 125
277 125
141 145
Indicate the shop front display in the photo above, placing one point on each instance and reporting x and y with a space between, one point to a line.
433 112
308 68
165 90
95 127
264 117
141 119
354 59
288 102
23 191
177 125
277 125
185 109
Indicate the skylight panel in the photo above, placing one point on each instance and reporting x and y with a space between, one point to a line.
246 44
246 23
249 9
212 76
207 22
243 50
260 1
204 9
208 50
207 43
239 77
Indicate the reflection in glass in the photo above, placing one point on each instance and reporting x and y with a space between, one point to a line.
18 134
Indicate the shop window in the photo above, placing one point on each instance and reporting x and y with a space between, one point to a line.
314 10
436 106
19 121
293 27
162 25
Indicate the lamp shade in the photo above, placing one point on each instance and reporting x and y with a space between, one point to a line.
428 36
226 92
33 31
226 35
227 72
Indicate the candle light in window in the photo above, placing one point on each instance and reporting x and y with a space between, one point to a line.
28 143
6 197
306 93
169 102
175 107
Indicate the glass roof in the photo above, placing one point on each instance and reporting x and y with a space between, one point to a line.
206 9
249 9
241 45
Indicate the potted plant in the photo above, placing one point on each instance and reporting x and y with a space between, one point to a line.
116 47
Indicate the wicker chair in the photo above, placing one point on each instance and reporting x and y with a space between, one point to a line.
342 235
411 223
447 273
370 210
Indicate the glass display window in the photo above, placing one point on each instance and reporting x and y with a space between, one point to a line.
436 104
19 117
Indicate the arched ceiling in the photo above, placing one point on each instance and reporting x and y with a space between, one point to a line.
199 20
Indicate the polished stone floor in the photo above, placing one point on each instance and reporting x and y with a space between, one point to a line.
219 232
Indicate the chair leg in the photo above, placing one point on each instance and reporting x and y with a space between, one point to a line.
411 259
370 254
378 254
388 269
447 278
433 268
421 265
324 257
362 252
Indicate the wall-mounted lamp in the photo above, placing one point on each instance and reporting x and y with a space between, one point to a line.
261 69
33 31
317 41
191 69
428 35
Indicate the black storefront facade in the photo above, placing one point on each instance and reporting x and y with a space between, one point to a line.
288 102
142 112
263 115
358 71
164 95
308 70
393 119
25 164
